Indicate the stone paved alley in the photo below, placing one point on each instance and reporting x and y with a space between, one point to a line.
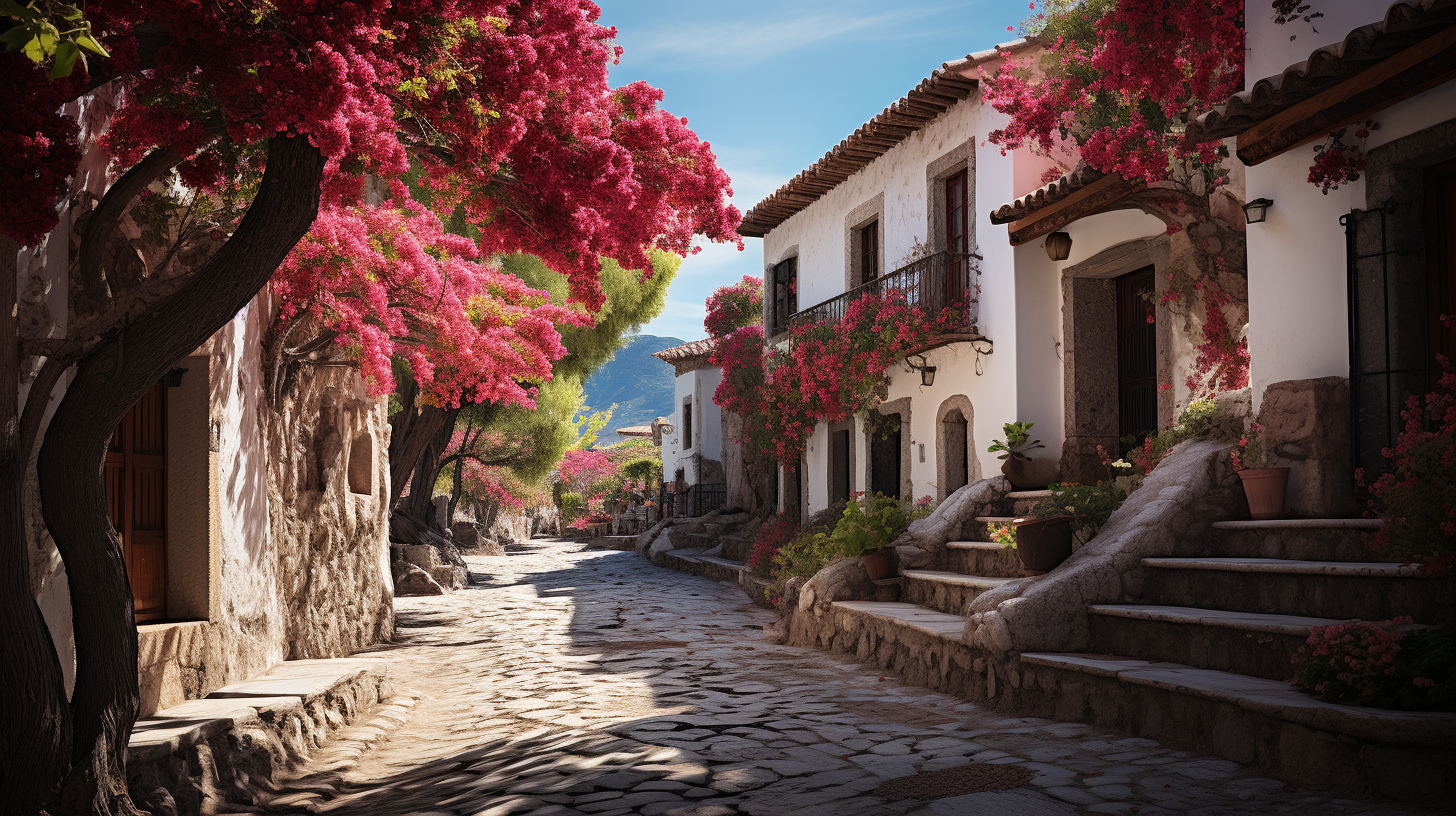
569 681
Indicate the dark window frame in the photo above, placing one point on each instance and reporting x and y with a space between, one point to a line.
785 294
869 252
687 423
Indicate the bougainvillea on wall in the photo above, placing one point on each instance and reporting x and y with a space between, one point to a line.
830 370
734 307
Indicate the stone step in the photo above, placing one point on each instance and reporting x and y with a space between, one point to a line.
1024 501
1341 590
946 591
1252 720
1294 539
1259 645
982 558
937 624
692 560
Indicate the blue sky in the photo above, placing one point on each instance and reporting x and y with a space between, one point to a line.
774 84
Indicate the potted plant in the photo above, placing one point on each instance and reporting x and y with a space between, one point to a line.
1042 544
1263 486
1016 463
867 528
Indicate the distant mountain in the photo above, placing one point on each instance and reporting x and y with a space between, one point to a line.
641 385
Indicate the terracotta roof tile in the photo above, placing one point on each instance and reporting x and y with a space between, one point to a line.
922 105
1405 24
687 351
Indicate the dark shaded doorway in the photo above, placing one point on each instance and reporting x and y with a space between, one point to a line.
954 429
136 497
957 239
838 466
1137 358
885 456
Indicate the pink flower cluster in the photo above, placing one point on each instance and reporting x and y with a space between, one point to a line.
730 308
831 371
1117 83
1416 496
771 537
392 282
500 111
1337 163
1346 662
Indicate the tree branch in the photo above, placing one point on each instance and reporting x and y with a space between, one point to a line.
107 215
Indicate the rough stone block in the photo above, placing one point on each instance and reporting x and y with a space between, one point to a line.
411 580
1305 426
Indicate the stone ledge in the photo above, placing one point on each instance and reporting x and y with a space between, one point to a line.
959 579
1247 621
940 624
974 545
1277 565
1272 698
221 747
1300 524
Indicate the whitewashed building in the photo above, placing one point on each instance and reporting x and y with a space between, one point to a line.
692 438
907 202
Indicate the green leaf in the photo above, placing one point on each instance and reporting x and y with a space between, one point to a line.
14 38
89 43
34 50
66 53
14 9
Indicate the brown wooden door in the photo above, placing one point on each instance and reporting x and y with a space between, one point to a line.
1441 266
957 238
838 466
885 456
136 495
1137 357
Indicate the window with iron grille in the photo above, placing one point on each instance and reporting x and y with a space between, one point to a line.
785 294
869 252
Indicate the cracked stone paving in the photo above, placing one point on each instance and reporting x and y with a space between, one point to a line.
569 681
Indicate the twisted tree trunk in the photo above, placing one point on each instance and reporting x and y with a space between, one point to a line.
35 734
109 379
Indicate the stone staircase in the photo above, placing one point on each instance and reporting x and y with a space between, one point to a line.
1200 656
720 553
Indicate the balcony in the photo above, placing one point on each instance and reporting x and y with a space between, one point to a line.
931 283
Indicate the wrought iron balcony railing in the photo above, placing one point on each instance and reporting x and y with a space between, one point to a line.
931 283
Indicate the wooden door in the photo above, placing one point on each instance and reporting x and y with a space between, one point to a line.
1441 267
136 496
885 456
957 239
1137 357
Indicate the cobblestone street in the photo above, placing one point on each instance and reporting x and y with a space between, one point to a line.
568 681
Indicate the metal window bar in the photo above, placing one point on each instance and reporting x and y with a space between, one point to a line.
1385 366
931 283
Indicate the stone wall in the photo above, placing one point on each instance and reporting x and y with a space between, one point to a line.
328 482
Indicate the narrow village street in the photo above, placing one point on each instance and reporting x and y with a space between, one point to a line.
570 681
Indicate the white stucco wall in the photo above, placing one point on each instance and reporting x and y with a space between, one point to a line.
1297 263
1270 49
707 439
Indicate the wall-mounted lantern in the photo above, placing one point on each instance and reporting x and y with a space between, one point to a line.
1256 210
173 378
1059 246
927 372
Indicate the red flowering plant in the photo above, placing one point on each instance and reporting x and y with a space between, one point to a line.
832 370
734 307
1416 496
770 538
1118 78
1386 664
1338 163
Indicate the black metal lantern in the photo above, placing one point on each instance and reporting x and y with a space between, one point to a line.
1256 210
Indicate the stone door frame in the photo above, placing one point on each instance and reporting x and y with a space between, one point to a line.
1089 351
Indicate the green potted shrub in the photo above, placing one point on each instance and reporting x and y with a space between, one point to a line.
866 532
1017 466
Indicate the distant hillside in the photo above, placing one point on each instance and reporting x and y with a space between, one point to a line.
640 385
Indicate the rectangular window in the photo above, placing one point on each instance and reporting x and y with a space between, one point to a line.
869 252
687 423
785 294
957 240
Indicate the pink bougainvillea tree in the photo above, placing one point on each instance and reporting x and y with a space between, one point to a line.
500 114
1114 83
734 307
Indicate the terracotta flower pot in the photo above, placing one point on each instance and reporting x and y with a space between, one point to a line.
1043 544
876 563
1025 473
1264 488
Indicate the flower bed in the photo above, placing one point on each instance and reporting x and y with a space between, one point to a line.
1387 664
